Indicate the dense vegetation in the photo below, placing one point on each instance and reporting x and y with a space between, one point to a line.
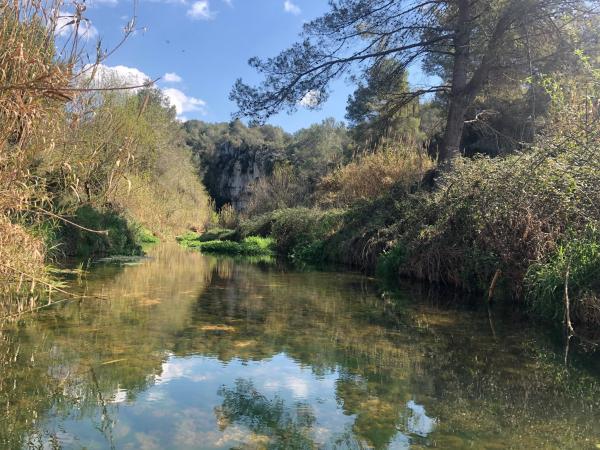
498 197
83 171
488 183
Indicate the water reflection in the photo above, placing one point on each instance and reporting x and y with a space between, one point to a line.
189 352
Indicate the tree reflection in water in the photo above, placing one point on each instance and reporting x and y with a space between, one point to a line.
284 427
184 336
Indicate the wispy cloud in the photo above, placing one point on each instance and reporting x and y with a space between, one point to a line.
200 10
93 3
172 77
291 7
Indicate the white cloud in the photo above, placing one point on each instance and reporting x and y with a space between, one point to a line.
183 103
65 26
311 99
121 76
117 76
291 7
200 10
176 368
172 77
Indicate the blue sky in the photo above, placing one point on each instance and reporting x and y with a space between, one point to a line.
204 46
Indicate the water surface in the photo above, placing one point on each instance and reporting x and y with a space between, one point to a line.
183 351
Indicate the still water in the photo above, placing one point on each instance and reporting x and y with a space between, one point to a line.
184 351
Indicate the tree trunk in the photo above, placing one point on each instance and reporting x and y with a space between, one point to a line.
455 124
459 100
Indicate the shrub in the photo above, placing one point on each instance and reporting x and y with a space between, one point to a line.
257 246
298 233
249 246
114 237
223 247
390 261
228 217
373 175
576 264
145 236
31 118
219 234
295 227
283 189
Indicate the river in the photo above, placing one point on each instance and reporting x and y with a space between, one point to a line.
185 351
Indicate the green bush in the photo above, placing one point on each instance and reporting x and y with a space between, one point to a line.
188 237
114 237
257 246
145 236
219 234
545 281
250 246
298 233
389 263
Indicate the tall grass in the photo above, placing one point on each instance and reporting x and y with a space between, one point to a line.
575 266
33 94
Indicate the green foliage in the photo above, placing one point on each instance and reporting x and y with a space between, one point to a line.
257 246
219 234
390 261
145 236
576 261
316 150
297 227
114 235
249 246
299 233
374 113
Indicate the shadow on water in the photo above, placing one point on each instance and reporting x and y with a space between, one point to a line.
188 351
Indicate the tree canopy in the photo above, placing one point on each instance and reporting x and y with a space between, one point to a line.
467 43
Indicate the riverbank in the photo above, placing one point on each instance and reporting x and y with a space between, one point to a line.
533 240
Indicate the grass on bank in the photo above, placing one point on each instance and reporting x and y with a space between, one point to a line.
216 241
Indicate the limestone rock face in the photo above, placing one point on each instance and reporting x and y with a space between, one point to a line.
231 156
235 170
